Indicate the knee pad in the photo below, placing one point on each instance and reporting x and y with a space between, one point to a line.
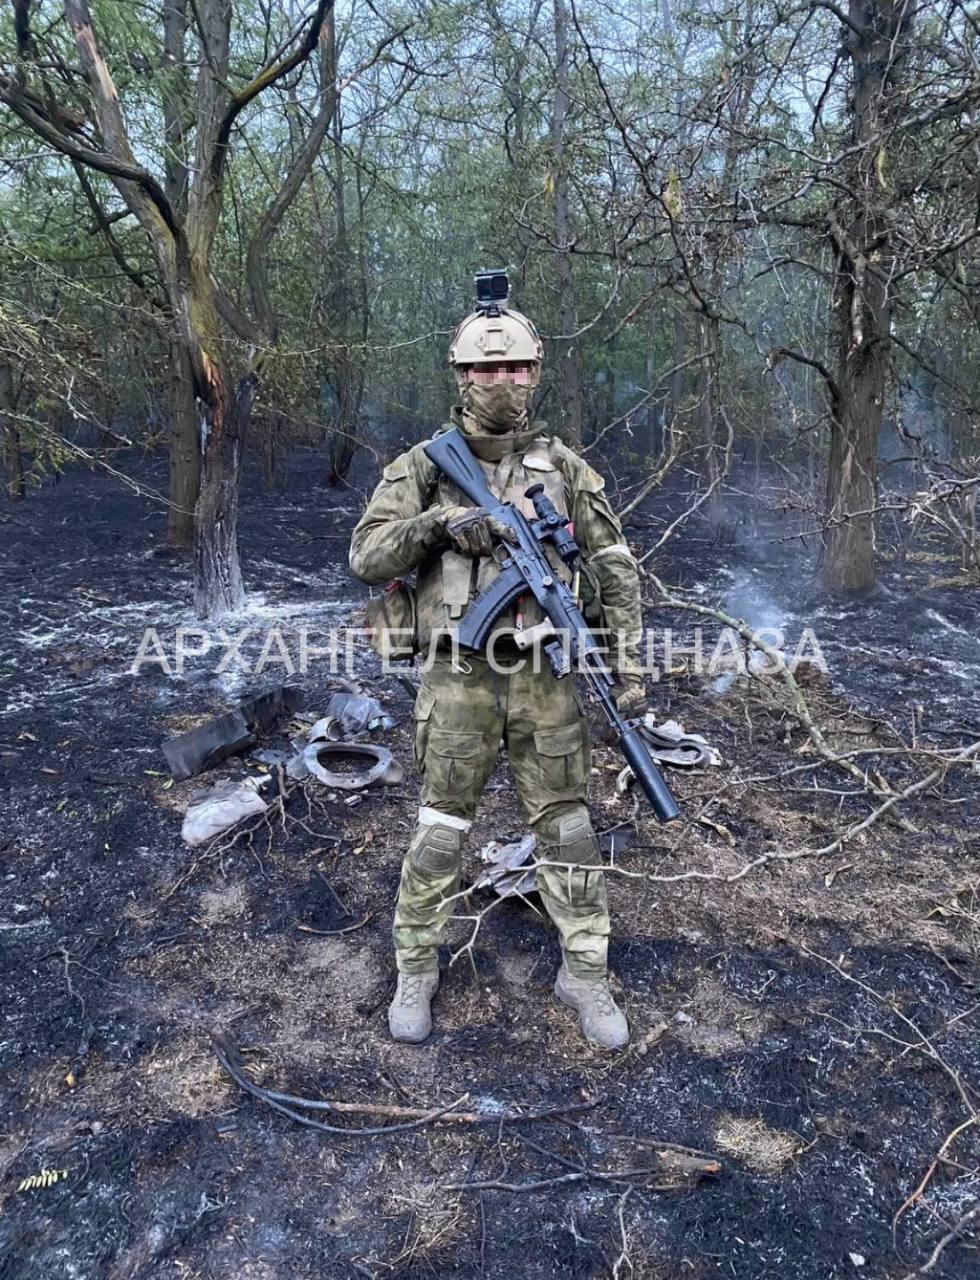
571 837
436 849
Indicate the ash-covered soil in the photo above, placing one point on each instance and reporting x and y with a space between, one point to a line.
811 1026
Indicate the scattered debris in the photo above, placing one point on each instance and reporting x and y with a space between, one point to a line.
222 806
378 766
329 729
228 735
506 863
328 747
669 743
271 756
357 713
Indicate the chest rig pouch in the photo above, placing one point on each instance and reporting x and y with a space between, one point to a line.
390 622
446 587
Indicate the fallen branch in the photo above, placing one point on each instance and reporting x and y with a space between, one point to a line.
229 1056
970 1216
334 933
692 1174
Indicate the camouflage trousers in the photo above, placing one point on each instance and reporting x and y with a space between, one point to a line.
461 716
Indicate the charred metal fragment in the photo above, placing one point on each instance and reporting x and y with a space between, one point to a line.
228 735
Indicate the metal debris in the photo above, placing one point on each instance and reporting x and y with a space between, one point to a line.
228 735
669 743
348 714
221 807
381 767
506 863
357 713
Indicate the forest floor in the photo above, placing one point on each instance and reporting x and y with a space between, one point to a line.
813 1026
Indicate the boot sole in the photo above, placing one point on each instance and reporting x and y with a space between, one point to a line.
406 1039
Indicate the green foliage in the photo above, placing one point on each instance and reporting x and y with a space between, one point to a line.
700 173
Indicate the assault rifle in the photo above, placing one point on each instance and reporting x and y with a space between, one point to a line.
568 642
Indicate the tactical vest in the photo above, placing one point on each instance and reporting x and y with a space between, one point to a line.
446 582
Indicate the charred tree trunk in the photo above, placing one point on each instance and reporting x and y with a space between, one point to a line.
185 470
877 40
274 468
182 232
224 422
569 385
185 467
855 425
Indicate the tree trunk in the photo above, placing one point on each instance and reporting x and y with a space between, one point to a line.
876 43
185 471
13 459
569 386
677 377
274 469
707 414
224 422
343 308
849 559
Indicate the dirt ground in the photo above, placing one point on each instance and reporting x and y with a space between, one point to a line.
812 1026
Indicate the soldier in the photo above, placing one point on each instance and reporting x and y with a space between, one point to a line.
418 520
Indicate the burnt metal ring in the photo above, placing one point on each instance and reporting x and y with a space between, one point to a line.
380 758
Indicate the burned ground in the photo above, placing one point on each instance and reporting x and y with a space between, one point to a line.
812 1025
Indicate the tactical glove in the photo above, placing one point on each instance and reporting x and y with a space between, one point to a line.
471 530
631 697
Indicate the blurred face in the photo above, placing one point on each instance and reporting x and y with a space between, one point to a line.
485 375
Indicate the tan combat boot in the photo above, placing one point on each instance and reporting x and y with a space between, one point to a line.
601 1021
409 1014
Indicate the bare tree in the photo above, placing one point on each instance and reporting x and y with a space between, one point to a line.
182 241
569 389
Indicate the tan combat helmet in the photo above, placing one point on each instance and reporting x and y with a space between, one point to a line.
494 335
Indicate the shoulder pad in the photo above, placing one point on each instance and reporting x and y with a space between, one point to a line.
581 476
412 464
590 480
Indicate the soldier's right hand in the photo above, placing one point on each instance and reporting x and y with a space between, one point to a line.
472 530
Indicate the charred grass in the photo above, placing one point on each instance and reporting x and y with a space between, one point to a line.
807 1024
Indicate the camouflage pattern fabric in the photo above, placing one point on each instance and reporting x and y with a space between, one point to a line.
461 717
403 529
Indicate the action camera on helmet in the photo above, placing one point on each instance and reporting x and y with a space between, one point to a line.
492 290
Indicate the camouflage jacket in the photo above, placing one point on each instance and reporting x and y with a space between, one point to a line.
403 530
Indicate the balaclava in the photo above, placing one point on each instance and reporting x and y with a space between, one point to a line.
495 404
